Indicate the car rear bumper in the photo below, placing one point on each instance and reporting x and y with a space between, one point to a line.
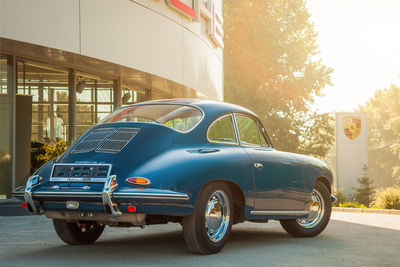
112 203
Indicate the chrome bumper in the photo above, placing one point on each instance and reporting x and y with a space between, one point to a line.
108 197
33 182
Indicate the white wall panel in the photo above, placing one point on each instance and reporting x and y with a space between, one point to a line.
146 35
51 23
201 66
129 34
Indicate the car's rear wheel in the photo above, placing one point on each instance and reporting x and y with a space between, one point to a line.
78 233
207 230
318 219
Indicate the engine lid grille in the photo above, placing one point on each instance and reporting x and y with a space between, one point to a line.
117 140
92 140
80 172
106 140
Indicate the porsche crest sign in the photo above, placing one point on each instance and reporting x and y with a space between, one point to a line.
352 126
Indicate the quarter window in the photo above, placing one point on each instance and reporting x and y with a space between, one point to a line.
222 131
248 130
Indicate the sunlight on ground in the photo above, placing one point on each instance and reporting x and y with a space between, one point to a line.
387 221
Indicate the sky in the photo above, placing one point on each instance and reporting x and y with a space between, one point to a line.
360 40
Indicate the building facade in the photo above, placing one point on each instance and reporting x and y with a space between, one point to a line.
65 64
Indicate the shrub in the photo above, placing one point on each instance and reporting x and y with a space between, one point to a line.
352 205
52 152
388 198
341 197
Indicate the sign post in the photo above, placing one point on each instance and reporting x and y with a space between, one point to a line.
351 149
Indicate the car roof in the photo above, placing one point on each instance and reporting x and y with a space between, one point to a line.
210 107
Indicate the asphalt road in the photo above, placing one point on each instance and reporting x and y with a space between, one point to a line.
350 240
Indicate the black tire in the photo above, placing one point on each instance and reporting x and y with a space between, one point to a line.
296 229
72 234
194 226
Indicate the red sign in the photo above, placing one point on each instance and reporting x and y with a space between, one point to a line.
198 9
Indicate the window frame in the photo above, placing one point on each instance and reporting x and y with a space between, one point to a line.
147 104
264 133
237 143
237 129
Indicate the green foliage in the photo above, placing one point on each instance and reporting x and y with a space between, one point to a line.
341 197
364 194
383 112
352 205
52 151
270 67
388 198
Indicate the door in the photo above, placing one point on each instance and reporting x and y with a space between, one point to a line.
279 183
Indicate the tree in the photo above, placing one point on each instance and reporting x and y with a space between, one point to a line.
270 67
383 111
365 192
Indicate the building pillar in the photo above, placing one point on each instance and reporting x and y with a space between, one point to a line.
71 106
117 94
12 91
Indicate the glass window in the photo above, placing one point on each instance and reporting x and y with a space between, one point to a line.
222 131
179 117
94 100
248 130
48 87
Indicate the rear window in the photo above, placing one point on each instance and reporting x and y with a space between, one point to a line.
179 117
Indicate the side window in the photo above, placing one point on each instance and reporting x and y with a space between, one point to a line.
222 131
248 130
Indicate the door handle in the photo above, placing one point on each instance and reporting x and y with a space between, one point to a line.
258 165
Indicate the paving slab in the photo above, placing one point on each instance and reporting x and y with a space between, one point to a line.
31 240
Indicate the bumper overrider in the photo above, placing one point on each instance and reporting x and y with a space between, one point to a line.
109 205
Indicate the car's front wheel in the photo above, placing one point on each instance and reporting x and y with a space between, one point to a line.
78 234
320 213
208 228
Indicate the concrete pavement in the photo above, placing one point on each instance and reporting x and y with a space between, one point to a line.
365 241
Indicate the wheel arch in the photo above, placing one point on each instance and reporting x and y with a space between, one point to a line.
238 198
324 181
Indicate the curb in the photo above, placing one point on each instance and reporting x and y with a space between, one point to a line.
359 210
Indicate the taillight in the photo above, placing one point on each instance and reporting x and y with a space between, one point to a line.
138 181
131 209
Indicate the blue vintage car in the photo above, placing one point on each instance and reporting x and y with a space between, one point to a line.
203 164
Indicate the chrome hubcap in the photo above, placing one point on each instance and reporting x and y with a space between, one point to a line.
217 216
317 210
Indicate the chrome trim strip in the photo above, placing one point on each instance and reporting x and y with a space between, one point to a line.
221 142
79 179
68 194
280 212
116 194
152 195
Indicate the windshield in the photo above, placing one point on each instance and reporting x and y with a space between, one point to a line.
179 117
